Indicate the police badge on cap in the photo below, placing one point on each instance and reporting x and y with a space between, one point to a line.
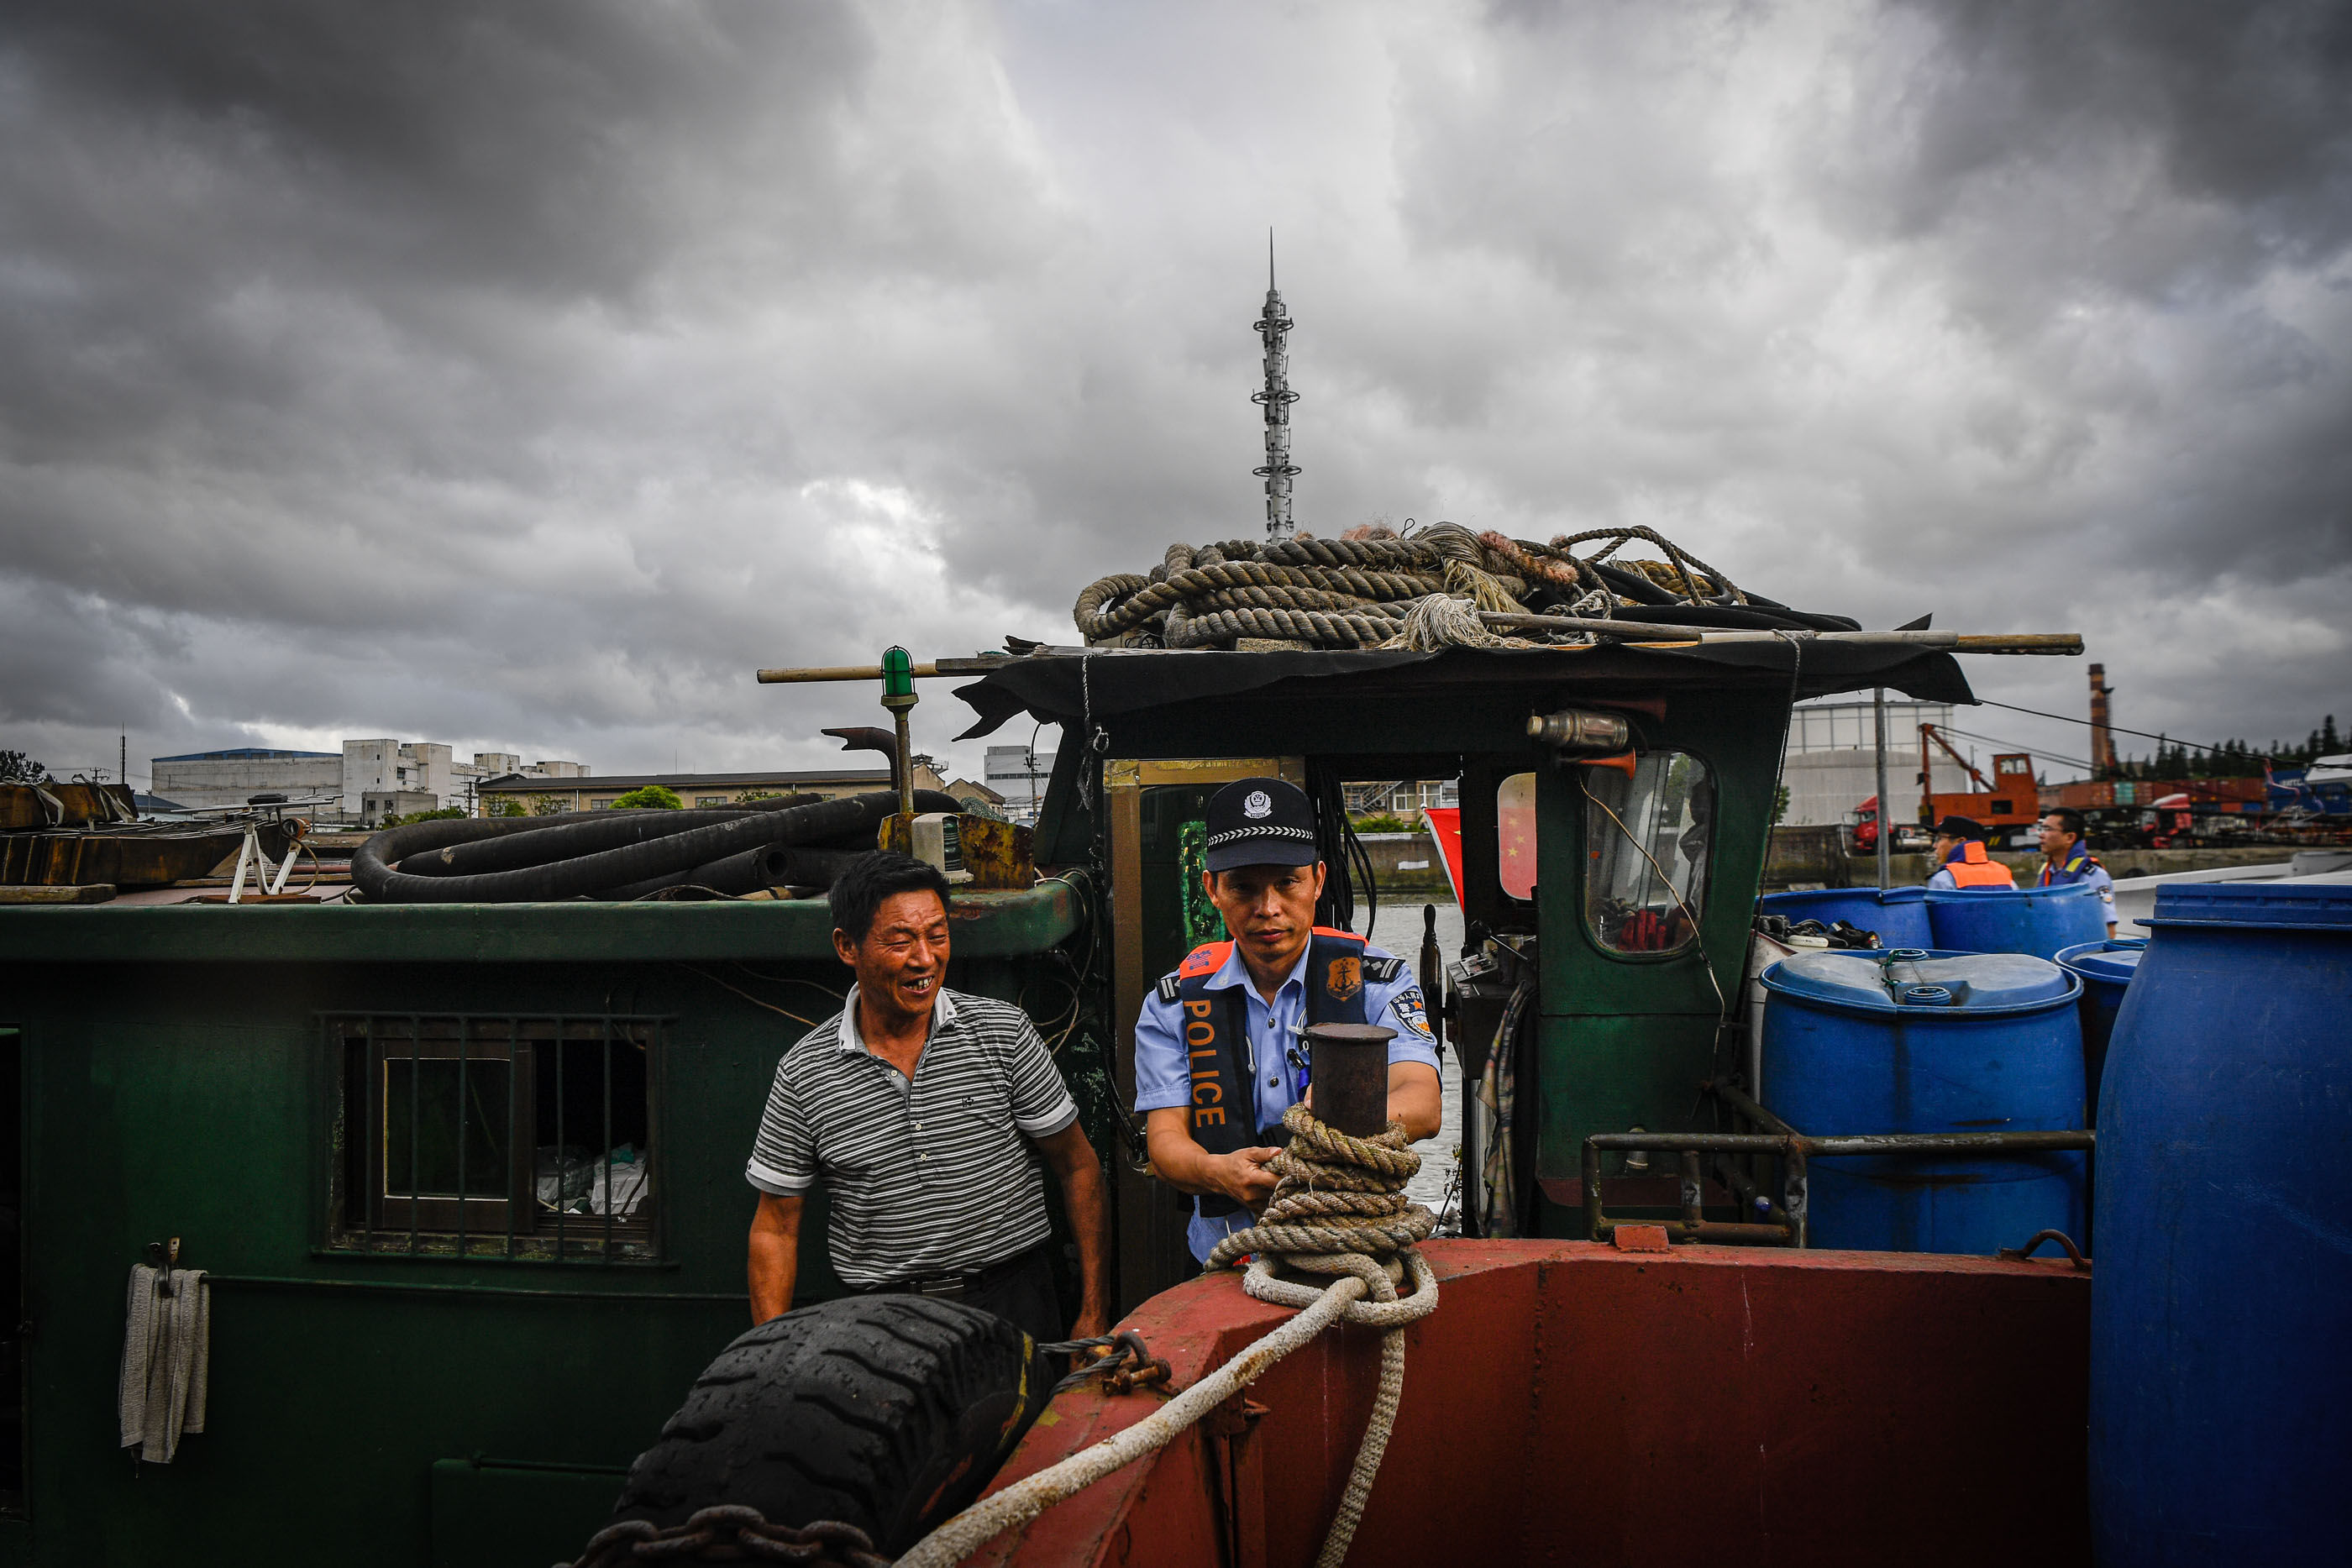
1260 821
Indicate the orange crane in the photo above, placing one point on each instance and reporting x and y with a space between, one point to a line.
2010 799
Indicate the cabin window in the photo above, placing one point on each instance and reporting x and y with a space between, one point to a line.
480 1137
1515 835
1646 836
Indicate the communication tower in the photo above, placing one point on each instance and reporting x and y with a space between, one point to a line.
1275 398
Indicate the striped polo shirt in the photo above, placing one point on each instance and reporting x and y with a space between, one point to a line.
926 1177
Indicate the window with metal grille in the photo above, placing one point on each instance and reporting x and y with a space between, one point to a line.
474 1135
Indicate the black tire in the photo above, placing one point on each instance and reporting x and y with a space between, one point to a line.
886 1412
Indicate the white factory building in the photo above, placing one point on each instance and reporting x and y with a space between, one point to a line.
205 778
367 782
1018 776
1832 762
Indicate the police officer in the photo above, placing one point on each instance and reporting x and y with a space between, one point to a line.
1960 860
2066 859
1219 1053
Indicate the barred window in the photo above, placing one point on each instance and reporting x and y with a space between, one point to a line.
492 1136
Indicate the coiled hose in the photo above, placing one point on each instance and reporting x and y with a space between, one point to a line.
575 855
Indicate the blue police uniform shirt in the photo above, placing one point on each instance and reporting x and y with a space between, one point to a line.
2079 867
1162 1079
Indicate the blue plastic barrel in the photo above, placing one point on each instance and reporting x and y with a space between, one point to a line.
2221 1307
2036 920
2105 968
1858 1043
1899 915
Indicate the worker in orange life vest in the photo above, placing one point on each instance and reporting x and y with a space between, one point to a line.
1961 859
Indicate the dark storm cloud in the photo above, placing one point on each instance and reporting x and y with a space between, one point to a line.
2245 107
2067 165
526 375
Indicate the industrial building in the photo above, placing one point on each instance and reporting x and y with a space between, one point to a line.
1017 776
402 776
198 780
1832 760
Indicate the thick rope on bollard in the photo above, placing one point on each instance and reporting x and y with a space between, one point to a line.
1342 1199
1339 1197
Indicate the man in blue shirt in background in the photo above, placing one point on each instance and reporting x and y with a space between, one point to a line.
2066 859
1219 1054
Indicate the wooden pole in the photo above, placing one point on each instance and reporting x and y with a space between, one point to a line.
1927 641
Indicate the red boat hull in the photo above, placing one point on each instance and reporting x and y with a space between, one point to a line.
1574 1403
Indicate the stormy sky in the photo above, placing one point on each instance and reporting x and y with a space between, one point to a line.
523 376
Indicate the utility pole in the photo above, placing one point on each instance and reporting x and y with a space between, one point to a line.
1886 823
1275 398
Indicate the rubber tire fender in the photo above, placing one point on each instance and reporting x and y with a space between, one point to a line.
888 1413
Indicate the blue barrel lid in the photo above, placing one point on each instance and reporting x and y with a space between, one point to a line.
2268 905
1963 894
2116 959
1909 981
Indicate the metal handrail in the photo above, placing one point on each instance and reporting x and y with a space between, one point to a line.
1787 1223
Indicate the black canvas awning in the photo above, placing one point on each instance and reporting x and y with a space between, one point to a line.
1062 686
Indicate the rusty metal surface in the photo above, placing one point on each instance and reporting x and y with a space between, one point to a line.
97 892
1577 1403
54 805
131 856
998 855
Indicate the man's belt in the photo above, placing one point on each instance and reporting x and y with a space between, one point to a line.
953 1287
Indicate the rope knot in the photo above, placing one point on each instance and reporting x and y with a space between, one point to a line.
1338 1197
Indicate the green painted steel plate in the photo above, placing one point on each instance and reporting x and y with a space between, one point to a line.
986 925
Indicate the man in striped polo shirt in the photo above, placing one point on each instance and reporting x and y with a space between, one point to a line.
924 1111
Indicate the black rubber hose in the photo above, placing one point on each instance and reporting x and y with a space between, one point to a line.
1633 585
769 865
577 833
374 876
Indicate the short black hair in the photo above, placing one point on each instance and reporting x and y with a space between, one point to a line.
2068 818
859 891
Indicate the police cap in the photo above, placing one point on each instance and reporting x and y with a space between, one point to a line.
1260 821
1960 827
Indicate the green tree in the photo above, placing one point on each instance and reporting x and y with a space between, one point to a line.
1780 804
549 806
505 807
650 796
16 767
444 814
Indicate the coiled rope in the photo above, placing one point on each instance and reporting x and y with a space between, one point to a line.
1422 590
1338 1209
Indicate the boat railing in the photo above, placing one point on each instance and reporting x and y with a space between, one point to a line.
1744 1162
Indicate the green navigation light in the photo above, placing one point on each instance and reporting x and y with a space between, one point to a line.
898 674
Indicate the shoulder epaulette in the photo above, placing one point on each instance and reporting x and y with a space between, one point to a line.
1171 987
1383 970
1205 959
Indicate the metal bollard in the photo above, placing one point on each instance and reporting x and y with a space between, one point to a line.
1348 1066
